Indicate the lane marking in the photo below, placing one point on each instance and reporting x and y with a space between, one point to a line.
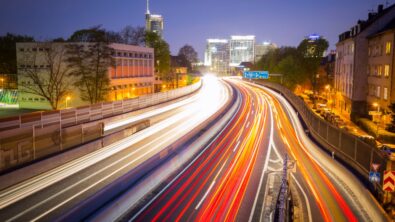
191 163
211 186
265 165
305 197
237 145
205 195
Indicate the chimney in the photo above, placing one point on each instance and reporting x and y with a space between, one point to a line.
380 8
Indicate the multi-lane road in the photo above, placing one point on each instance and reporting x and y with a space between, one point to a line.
52 194
235 176
229 172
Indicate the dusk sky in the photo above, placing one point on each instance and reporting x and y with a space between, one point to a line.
283 22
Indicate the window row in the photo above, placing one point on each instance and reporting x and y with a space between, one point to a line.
132 54
34 66
30 99
379 70
378 49
33 49
376 91
136 85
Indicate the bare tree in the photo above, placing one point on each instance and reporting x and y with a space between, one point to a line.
89 63
133 35
45 73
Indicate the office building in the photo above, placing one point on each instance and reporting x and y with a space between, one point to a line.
132 74
153 23
241 49
216 56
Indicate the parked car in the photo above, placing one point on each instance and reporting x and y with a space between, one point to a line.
368 139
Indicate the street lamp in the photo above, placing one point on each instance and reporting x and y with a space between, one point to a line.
379 120
67 100
2 83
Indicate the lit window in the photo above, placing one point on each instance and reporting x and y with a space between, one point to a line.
378 91
388 48
380 70
386 70
385 96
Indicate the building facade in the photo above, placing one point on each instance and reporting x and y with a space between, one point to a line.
344 73
216 56
153 23
351 75
381 71
132 74
241 49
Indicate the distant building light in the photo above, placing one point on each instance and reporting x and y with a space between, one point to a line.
314 37
246 37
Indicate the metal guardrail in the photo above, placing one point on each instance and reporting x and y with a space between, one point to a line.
349 148
34 136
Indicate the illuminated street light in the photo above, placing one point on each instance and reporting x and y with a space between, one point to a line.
327 87
67 100
2 83
379 120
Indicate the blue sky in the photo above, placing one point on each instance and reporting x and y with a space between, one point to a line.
283 22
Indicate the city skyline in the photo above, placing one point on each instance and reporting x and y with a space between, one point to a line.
255 18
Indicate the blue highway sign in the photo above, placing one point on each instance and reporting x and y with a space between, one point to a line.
374 177
256 74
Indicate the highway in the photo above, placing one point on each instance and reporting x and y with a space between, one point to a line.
52 194
234 177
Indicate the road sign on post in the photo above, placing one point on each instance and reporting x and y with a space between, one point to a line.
256 74
389 181
375 166
374 177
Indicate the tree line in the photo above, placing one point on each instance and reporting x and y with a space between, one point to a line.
299 65
84 66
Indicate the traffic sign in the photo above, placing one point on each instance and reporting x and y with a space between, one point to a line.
375 167
389 181
256 74
374 177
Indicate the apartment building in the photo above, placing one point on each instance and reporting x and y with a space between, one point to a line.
351 75
380 70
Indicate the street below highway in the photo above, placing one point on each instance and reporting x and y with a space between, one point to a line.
236 176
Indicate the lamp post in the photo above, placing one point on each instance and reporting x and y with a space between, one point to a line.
2 83
376 105
328 91
67 100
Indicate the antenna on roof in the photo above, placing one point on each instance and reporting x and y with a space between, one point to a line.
148 12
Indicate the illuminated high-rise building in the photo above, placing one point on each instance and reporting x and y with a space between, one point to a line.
241 49
217 55
153 23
